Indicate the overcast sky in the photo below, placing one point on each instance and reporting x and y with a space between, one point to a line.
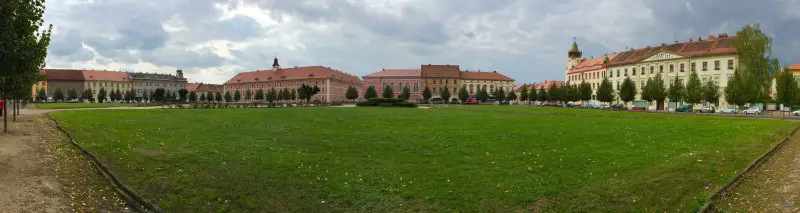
212 40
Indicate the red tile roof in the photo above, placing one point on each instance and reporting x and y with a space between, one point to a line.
395 73
202 87
713 46
591 64
192 86
94 75
440 71
64 75
546 84
794 67
472 75
296 73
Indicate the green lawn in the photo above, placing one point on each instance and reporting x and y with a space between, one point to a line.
80 105
456 159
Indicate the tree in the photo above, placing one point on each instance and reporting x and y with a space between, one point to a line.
627 91
388 92
426 94
605 92
237 96
694 89
202 96
259 94
72 94
445 94
193 96
511 96
41 95
87 95
182 94
351 93
228 96
210 96
523 93
101 95
585 91
406 94
676 90
658 91
306 92
370 93
647 91
218 97
734 91
293 96
533 95
286 94
23 49
481 95
463 94
754 48
711 92
543 96
160 95
786 88
248 95
58 95
272 95
553 93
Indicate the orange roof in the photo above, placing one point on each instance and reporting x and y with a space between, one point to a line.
93 75
296 73
192 86
472 75
202 87
712 46
440 71
591 64
395 73
794 67
63 74
546 84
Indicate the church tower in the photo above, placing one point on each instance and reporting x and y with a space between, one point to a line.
574 55
275 65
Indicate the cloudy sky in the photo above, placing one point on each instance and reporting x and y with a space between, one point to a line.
212 40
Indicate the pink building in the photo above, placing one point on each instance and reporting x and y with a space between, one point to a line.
332 83
397 79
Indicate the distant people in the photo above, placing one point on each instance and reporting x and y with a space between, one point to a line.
2 107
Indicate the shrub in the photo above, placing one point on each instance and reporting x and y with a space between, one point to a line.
386 102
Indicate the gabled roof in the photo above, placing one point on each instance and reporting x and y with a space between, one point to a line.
63 74
202 87
440 71
395 73
712 46
794 67
472 75
296 73
93 75
591 64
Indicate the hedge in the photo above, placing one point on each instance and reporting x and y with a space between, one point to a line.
386 102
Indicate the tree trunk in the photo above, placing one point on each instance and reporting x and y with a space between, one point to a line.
5 119
14 109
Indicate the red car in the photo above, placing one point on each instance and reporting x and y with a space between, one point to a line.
638 108
472 101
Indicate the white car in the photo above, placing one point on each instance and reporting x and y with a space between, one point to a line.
753 110
796 113
729 111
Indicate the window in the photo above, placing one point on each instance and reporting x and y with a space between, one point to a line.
633 71
671 68
652 69
694 67
660 68
626 71
705 66
716 65
445 81
617 85
704 79
642 70
611 74
716 80
682 67
618 73
642 85
730 64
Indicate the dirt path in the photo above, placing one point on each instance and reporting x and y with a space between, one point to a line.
41 172
773 187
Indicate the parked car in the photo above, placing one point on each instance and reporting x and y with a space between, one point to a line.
618 107
684 108
638 108
437 101
729 111
472 101
752 110
707 109
796 113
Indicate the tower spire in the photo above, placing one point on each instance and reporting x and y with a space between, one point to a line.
574 52
275 64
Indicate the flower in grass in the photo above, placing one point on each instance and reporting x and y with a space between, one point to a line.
323 202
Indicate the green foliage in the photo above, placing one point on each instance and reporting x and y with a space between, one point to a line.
293 95
605 93
272 95
523 93
203 97
463 94
72 94
388 92
647 91
676 90
248 94
426 94
406 94
711 93
694 89
658 91
218 97
160 95
533 95
627 92
481 95
351 93
58 95
445 94
306 92
585 91
259 94
23 47
786 88
543 96
554 93
371 92
228 96
193 96
41 95
182 93
754 49
237 96
101 95
210 96
87 95
511 96
386 102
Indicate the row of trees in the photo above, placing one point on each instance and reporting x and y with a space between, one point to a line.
305 92
114 95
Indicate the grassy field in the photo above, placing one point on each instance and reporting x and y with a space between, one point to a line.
461 159
80 105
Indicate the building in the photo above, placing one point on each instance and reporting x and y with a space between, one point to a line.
714 59
145 84
41 85
205 88
795 69
106 80
397 79
437 78
62 79
332 83
544 85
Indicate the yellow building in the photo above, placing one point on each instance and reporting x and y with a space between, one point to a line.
38 86
107 80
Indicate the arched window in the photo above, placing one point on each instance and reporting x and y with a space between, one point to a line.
416 87
392 85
